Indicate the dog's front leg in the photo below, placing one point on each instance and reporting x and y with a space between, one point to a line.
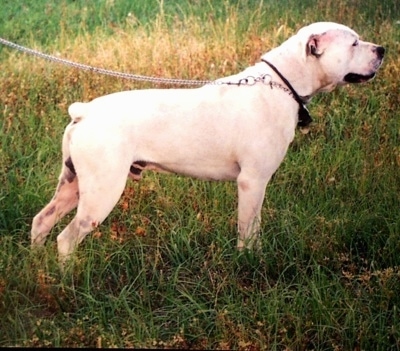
251 190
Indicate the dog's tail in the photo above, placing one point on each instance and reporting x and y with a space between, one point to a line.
77 111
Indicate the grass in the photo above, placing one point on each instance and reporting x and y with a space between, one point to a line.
162 270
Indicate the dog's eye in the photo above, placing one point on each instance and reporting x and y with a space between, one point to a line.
355 43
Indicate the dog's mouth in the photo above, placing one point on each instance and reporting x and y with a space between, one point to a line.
358 78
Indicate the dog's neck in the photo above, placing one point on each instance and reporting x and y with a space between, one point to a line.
296 96
304 118
288 60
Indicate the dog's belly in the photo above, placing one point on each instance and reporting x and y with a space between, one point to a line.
196 169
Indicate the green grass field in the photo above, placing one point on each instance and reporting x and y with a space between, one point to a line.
162 270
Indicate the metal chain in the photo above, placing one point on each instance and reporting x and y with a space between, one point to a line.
105 71
249 81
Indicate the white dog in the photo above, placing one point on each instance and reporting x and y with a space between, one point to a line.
236 129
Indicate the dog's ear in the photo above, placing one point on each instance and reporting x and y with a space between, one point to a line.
315 45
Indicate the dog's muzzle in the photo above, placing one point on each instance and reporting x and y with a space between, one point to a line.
360 78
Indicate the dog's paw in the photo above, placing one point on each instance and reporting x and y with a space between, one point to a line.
253 243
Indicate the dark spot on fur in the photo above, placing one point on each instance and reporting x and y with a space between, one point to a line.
70 165
50 211
135 170
84 223
71 176
137 167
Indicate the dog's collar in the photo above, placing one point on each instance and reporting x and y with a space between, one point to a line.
304 118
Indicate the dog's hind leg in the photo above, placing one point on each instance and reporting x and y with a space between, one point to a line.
97 199
64 200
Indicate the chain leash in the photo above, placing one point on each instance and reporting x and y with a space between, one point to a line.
249 81
102 70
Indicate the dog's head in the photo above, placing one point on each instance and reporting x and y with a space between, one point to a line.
338 55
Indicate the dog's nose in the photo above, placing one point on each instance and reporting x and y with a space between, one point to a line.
380 50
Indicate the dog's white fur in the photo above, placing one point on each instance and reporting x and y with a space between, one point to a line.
216 132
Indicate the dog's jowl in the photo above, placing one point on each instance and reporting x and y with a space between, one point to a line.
238 129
